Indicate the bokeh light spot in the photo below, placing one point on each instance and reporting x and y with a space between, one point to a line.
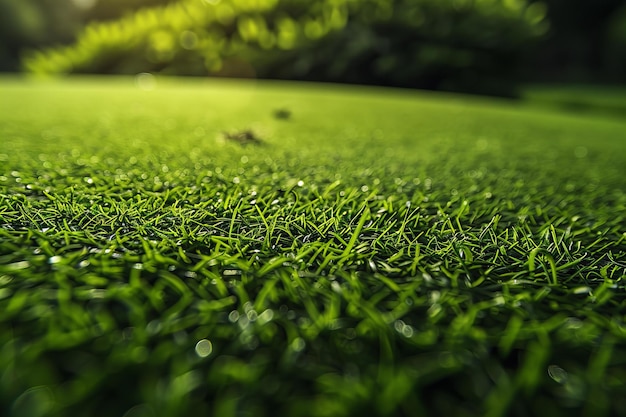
204 348
557 373
145 81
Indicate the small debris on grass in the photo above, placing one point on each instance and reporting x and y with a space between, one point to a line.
243 137
282 114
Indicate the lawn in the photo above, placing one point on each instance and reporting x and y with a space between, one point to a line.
596 99
174 247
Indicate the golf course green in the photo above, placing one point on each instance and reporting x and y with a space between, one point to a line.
176 247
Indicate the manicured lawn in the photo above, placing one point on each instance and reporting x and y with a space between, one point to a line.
338 252
593 99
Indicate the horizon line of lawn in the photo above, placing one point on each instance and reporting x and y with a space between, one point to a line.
574 101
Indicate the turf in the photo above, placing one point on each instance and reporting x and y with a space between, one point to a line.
268 249
594 99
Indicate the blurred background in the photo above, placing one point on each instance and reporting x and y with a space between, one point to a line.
491 47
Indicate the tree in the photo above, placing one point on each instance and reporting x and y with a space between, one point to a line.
577 44
34 23
459 45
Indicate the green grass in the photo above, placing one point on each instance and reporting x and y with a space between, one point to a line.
593 99
379 252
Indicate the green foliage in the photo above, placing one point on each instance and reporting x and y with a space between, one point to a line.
381 253
32 23
114 9
451 44
579 46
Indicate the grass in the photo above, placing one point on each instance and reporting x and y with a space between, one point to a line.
374 252
592 99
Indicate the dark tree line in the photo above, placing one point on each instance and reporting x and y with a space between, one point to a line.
586 42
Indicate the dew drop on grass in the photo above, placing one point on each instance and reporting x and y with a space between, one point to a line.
154 327
298 344
558 374
407 331
252 315
399 325
573 323
233 316
266 316
243 322
204 348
